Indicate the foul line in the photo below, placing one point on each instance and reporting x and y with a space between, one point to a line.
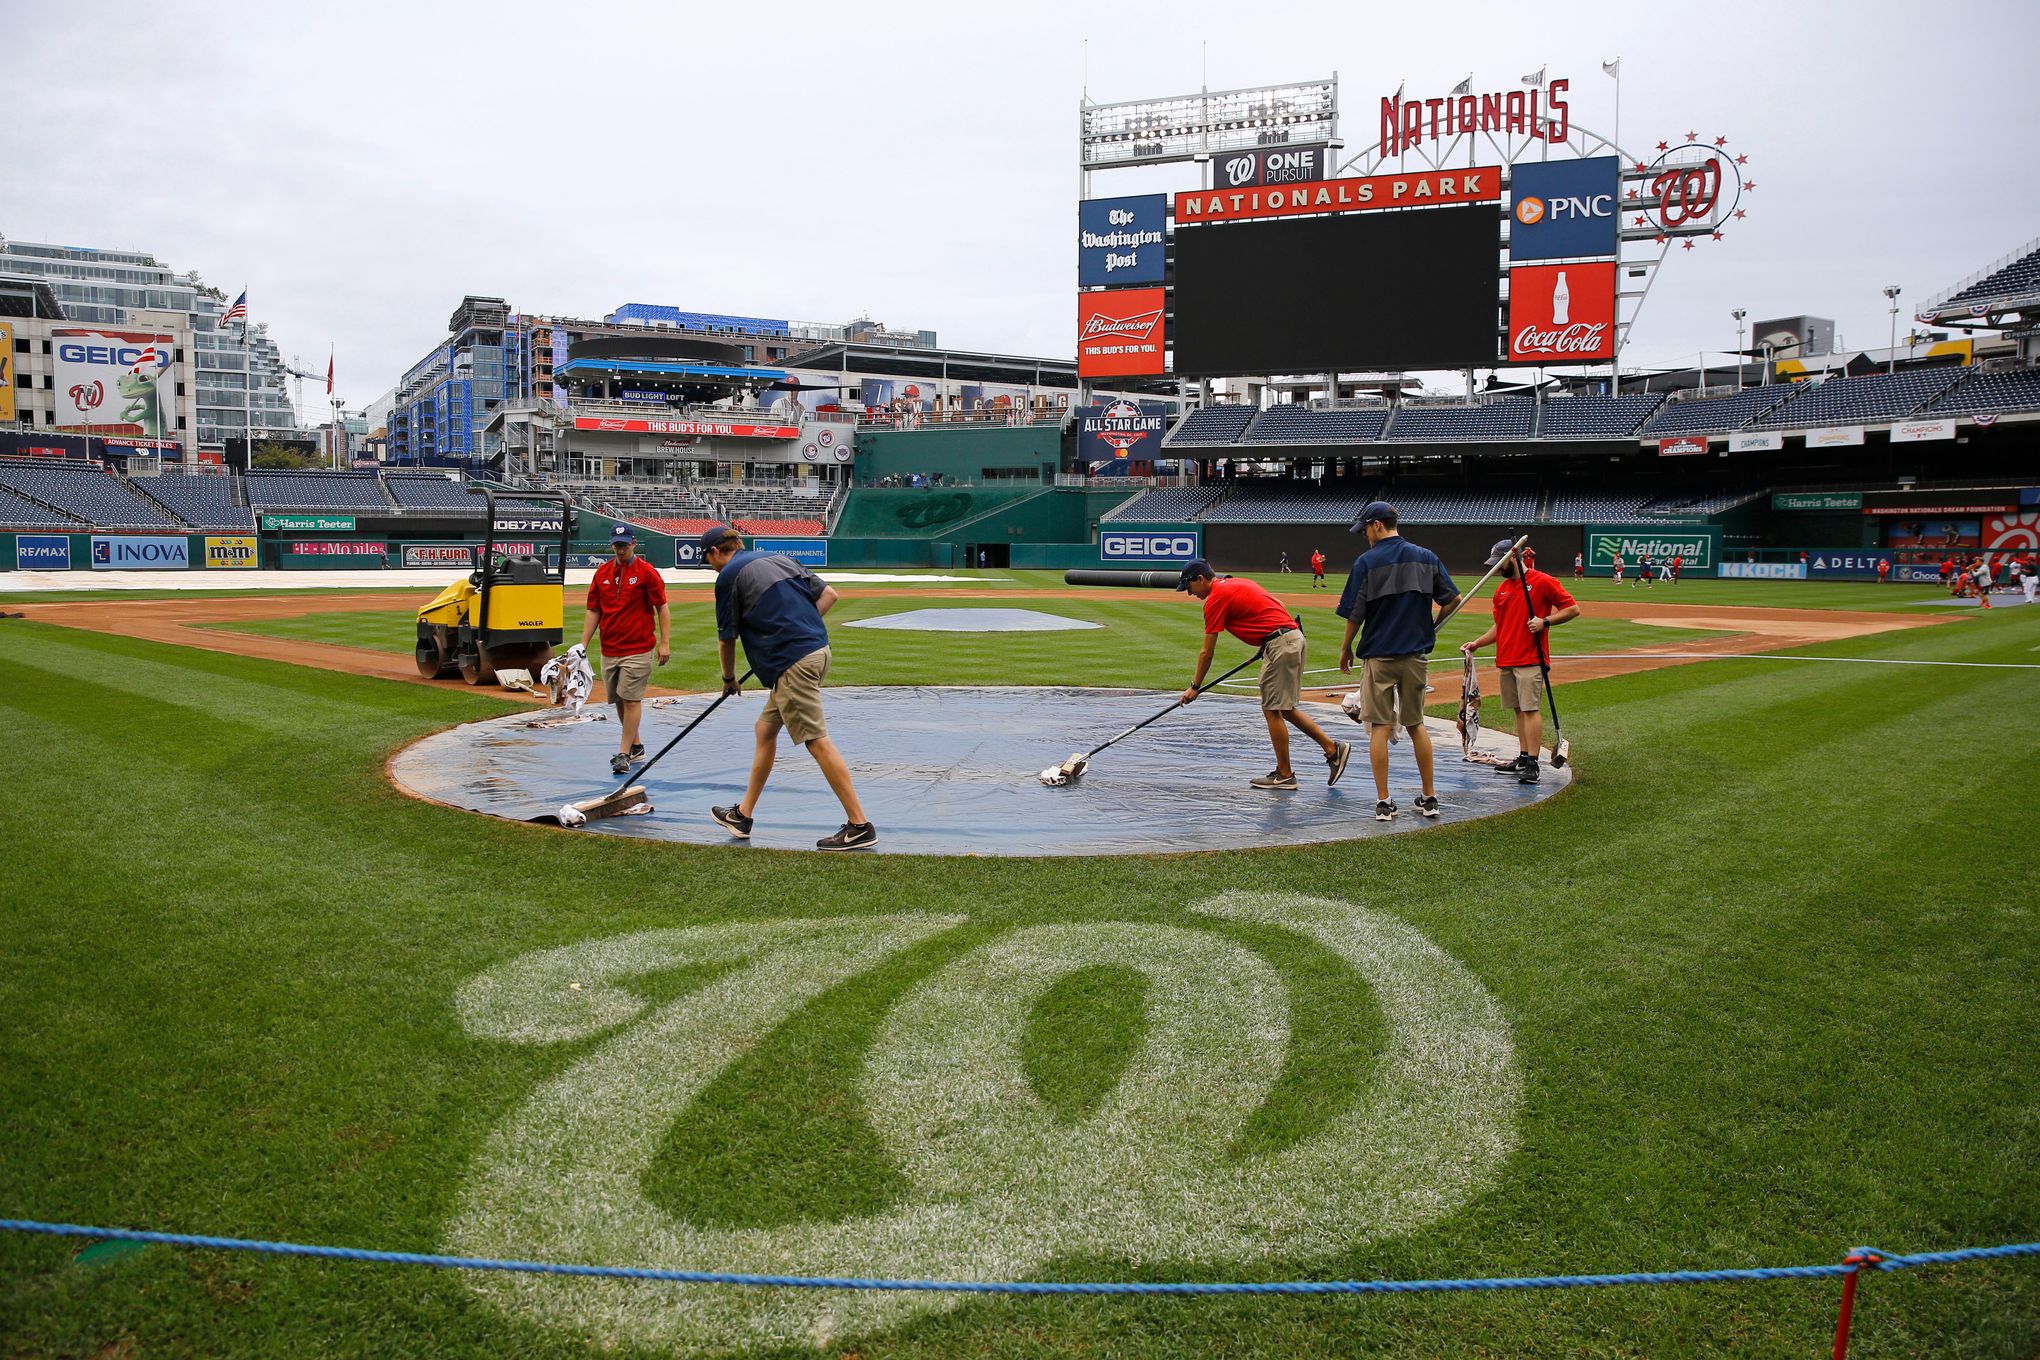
1859 1259
1718 656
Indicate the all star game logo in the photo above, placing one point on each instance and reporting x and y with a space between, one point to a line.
1122 425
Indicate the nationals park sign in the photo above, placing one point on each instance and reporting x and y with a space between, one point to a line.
1699 544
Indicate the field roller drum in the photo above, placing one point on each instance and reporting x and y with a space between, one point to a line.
500 623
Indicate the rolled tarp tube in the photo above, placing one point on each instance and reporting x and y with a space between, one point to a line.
1090 576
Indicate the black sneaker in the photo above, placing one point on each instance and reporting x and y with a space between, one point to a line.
1341 753
637 753
853 836
1427 804
732 821
1515 767
1529 773
1384 811
1272 780
619 763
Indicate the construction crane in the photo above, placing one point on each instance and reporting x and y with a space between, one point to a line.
336 445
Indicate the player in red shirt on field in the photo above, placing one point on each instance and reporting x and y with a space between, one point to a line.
1317 569
625 600
1618 569
1518 634
1883 570
1678 565
1247 611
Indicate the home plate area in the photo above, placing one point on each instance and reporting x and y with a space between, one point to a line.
955 771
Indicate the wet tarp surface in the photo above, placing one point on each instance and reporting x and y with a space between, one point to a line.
954 771
974 621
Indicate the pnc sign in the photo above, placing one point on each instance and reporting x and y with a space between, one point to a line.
1563 209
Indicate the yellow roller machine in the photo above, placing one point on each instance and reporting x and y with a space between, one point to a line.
501 623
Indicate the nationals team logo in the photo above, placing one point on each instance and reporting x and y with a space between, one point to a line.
1692 190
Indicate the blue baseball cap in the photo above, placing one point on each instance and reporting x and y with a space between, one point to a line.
1372 512
623 533
1191 571
718 534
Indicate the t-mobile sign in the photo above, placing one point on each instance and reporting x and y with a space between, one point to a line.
1561 313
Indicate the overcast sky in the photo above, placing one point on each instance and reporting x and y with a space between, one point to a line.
360 169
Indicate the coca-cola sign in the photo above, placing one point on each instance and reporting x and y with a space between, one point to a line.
1561 313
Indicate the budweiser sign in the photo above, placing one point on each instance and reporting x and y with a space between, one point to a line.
1121 333
725 429
1684 446
1561 313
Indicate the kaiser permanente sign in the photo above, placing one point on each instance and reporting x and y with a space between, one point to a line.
1699 544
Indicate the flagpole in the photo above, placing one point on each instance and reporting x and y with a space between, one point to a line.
1621 157
247 384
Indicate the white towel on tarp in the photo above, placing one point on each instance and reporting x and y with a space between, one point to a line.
569 679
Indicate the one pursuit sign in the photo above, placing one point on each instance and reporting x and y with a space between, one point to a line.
1182 544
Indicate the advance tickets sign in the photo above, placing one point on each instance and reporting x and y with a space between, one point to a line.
1562 210
140 554
109 382
1120 334
1561 314
231 550
1697 543
42 552
1177 544
315 524
1119 240
809 552
1421 189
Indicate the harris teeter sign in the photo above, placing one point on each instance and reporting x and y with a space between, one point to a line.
1699 544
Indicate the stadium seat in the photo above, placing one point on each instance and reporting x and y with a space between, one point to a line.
1302 425
1210 425
357 491
18 512
2021 276
1716 415
415 491
1269 501
91 494
1857 401
1166 504
1598 417
201 500
1992 392
1426 505
1514 418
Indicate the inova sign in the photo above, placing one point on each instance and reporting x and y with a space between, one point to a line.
140 554
1149 545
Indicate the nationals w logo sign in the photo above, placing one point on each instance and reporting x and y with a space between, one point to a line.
1162 1171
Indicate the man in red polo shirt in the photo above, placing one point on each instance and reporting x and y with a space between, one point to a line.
625 600
1251 614
1519 628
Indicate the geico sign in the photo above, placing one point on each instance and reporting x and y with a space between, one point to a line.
1167 547
114 356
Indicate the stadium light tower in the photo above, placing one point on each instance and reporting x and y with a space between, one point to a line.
1739 313
1891 355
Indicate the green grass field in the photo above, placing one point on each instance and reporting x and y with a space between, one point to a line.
1769 971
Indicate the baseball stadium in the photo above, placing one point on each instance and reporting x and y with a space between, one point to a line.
703 834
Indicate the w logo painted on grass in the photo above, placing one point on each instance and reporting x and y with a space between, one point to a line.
998 1185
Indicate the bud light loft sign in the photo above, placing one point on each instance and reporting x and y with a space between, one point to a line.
1563 210
1119 240
1561 313
1150 545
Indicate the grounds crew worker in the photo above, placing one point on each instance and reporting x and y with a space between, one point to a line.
625 599
776 605
1393 589
1515 633
1247 611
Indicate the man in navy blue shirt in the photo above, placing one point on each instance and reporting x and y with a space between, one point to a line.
1398 591
775 606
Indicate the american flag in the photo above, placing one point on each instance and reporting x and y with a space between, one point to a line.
148 358
237 312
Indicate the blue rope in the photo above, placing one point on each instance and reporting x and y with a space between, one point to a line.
1860 1258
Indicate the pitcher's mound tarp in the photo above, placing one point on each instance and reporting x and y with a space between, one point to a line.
953 771
975 621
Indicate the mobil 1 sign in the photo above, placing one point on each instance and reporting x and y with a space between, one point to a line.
1697 543
1150 545
1119 240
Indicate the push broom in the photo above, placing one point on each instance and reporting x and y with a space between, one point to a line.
1056 776
628 795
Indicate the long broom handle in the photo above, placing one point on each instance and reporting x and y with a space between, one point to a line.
1543 654
1460 603
1179 703
639 773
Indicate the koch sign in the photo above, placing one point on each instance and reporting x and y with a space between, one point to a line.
1119 240
809 552
140 554
42 552
1274 165
1150 545
1562 210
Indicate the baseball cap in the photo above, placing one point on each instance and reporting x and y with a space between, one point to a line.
1191 571
716 535
1499 551
623 533
1373 510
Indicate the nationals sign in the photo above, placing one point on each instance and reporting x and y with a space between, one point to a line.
1120 333
1561 313
1419 189
726 429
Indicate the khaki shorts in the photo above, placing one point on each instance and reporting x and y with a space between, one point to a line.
626 677
1522 688
796 701
1282 672
1394 693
